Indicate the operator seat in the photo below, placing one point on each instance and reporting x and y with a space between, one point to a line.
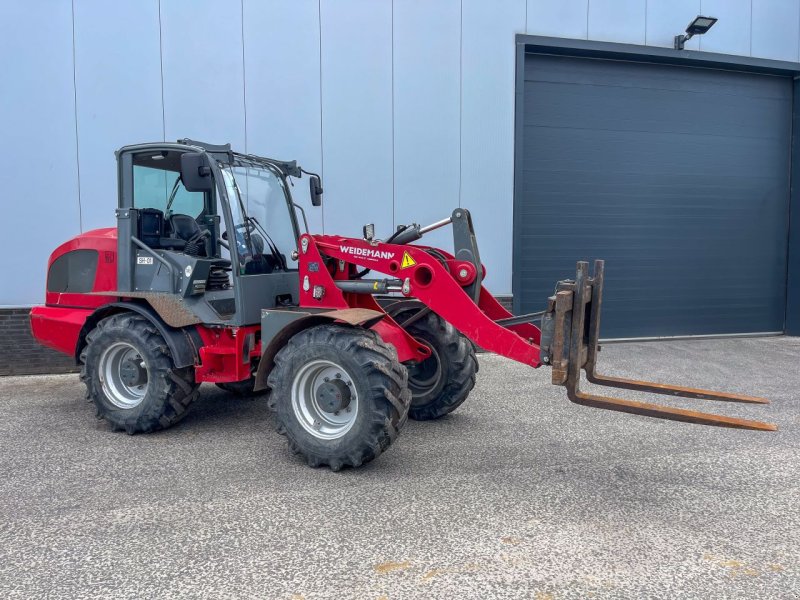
187 229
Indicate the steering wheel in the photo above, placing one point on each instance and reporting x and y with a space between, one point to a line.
200 235
194 245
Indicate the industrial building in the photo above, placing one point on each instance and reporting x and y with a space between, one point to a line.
571 129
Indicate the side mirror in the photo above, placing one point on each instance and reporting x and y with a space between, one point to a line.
315 186
196 172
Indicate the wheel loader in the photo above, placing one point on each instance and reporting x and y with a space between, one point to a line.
208 276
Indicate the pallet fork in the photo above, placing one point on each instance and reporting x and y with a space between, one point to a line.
570 336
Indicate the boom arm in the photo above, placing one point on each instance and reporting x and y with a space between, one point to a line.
451 286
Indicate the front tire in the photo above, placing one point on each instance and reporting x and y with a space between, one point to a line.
129 375
339 394
440 384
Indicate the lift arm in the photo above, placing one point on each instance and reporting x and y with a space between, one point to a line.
451 286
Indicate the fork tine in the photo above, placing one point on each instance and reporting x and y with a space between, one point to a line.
664 412
670 390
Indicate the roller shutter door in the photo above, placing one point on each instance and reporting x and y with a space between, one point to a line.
677 176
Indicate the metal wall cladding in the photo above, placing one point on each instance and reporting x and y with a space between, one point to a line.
405 106
37 128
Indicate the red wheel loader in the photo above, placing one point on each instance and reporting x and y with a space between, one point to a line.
208 277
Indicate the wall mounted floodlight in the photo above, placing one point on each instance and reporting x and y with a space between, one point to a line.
699 26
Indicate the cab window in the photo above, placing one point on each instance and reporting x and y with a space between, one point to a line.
162 189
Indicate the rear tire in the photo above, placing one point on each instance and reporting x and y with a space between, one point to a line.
440 384
129 375
339 394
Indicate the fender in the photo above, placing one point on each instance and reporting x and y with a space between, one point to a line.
292 322
184 343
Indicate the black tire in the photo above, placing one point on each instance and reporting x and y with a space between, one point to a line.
168 391
374 379
239 388
442 383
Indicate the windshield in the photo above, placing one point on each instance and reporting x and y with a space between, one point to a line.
262 226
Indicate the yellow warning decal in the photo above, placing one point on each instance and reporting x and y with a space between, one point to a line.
407 261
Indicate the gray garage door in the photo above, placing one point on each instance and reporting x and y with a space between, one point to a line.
677 176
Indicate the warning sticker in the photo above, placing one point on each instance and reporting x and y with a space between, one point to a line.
407 261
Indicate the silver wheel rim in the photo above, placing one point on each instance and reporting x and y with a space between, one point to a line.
318 422
121 388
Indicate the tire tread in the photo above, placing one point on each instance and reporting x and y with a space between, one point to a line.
175 388
388 387
459 353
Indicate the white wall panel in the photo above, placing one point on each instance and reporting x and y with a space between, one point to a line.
617 21
201 43
118 87
37 129
731 34
427 73
281 45
776 29
357 115
380 116
668 18
562 18
487 128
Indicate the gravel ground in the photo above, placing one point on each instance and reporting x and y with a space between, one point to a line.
519 494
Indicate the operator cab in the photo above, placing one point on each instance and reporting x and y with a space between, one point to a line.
207 229
170 216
